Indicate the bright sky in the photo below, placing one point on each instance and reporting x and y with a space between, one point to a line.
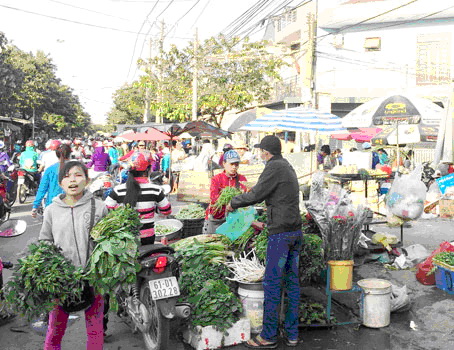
94 43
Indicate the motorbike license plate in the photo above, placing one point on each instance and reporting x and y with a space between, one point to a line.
164 288
20 181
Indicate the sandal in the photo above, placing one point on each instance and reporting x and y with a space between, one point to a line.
292 343
259 343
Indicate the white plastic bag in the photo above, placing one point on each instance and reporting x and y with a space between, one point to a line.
400 300
407 195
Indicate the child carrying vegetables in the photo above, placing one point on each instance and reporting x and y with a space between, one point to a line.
223 187
66 223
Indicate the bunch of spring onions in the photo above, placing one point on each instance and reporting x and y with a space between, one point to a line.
247 268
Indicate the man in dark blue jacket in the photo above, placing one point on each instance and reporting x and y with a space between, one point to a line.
278 186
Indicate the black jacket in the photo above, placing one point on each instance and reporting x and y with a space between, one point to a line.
278 186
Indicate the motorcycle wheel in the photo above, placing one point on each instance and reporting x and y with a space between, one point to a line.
157 336
22 192
11 196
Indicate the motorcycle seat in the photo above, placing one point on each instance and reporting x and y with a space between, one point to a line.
146 250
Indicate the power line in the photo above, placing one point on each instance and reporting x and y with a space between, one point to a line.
137 37
178 20
200 14
68 20
85 9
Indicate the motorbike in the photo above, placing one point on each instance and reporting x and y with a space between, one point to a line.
152 302
101 186
11 176
27 184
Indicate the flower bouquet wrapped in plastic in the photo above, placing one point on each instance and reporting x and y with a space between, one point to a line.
340 221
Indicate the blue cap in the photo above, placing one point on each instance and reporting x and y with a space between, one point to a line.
231 156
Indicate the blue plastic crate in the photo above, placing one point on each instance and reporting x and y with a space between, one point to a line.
444 279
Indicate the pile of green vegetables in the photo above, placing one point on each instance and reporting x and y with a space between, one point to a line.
203 281
162 230
312 258
41 279
113 264
312 312
192 211
226 195
444 257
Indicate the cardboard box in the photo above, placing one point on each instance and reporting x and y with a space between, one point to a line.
203 338
446 207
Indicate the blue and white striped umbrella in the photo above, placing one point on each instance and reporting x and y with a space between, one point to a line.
298 119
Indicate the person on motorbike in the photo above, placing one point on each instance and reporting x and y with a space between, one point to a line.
49 186
100 161
5 161
78 152
49 156
113 154
65 222
29 159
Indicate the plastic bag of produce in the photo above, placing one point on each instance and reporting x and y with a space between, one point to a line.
237 222
406 197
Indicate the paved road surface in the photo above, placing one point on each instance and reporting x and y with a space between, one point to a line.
434 333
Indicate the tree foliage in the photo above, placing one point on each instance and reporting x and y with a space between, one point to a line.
232 75
29 86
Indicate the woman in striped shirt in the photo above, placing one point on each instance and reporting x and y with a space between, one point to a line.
142 195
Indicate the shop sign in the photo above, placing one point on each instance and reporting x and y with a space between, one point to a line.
445 182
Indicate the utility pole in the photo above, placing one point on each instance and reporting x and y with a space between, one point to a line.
194 76
313 41
146 114
160 74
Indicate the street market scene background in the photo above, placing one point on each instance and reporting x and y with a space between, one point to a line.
368 80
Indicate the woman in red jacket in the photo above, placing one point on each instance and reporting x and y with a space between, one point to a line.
229 177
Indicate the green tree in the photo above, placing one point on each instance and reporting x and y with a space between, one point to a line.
129 104
232 75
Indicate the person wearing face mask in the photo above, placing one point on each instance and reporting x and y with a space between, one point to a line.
278 187
229 177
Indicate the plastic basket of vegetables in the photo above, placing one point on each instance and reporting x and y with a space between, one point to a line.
192 217
169 228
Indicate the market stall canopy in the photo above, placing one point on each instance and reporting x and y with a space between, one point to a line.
358 134
247 117
195 128
298 119
417 119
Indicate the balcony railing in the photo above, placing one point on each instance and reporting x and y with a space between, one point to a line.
289 87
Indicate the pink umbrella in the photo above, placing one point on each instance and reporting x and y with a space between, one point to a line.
358 134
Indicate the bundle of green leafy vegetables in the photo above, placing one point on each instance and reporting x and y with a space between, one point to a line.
215 305
203 281
226 195
113 263
41 279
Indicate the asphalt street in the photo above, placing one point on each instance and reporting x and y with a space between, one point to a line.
431 310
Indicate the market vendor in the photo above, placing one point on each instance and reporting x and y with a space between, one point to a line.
278 186
229 177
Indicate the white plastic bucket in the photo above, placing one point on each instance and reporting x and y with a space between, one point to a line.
376 311
252 296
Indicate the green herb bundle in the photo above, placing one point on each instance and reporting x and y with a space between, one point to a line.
40 279
215 305
192 211
113 262
226 195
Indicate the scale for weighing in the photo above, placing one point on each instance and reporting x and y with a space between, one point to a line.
12 228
